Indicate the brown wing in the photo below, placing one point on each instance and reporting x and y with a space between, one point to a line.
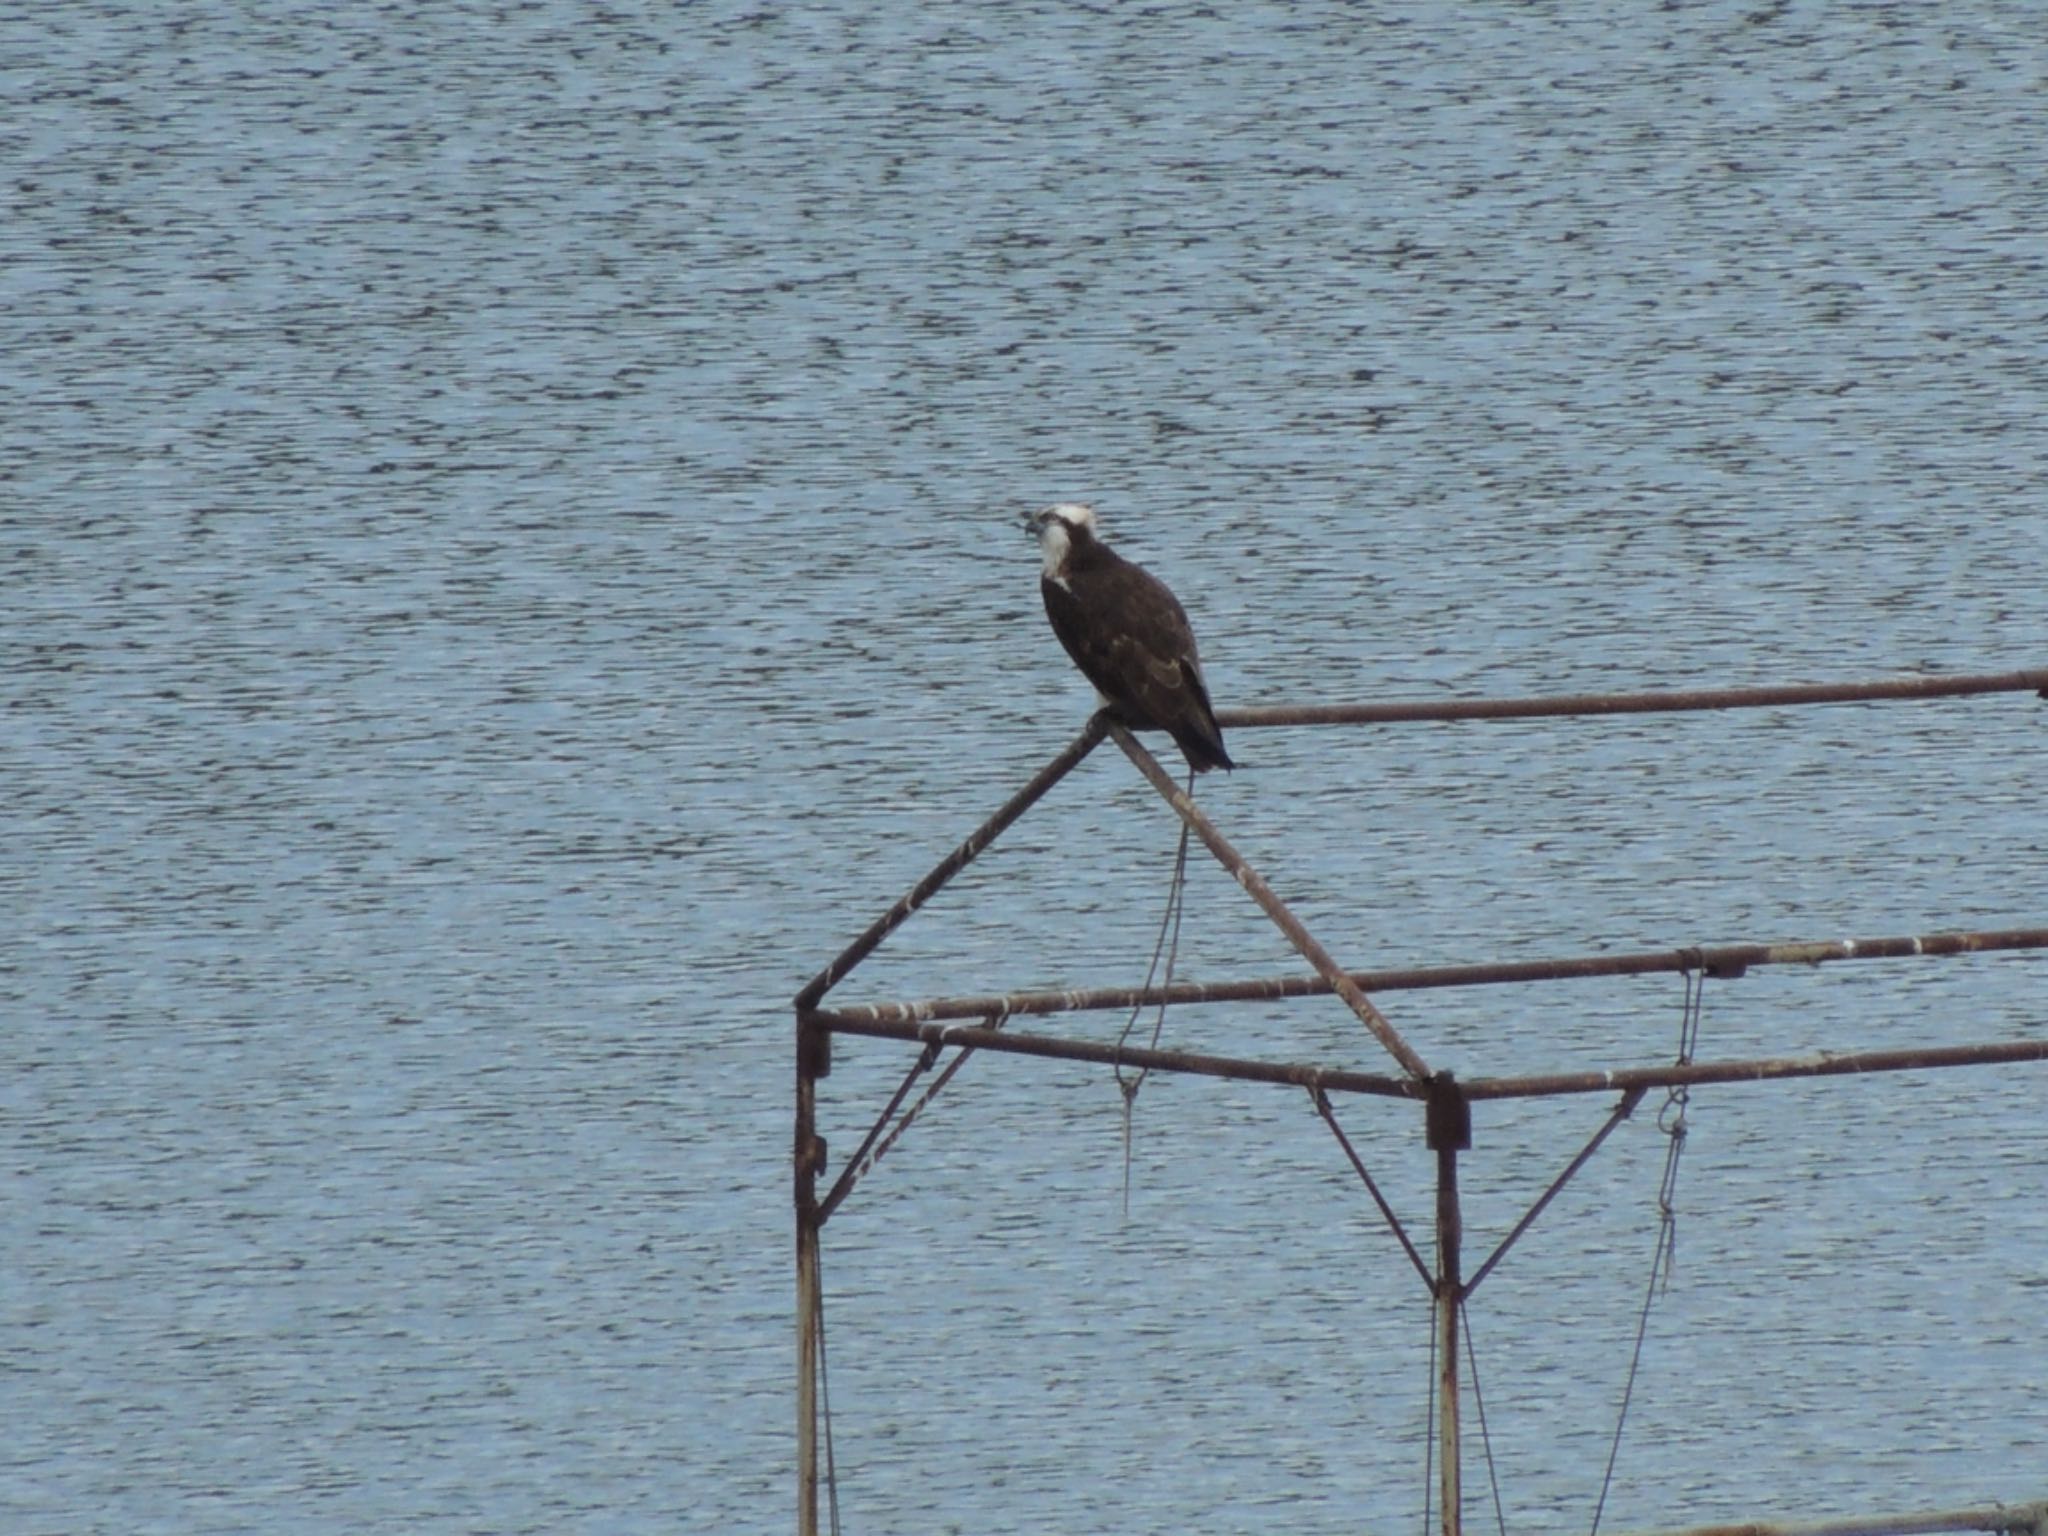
1143 658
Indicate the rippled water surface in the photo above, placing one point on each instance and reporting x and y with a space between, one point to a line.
510 560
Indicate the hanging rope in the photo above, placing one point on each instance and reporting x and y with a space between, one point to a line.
1671 1120
1167 944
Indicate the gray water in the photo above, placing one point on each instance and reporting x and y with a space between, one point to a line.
510 563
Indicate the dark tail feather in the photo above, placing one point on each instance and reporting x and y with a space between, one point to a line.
1201 743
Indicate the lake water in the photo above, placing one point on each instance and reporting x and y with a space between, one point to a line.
511 562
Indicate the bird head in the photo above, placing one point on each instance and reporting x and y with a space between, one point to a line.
1058 528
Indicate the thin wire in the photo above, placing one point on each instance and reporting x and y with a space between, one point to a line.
1635 1360
1168 943
825 1403
1664 1258
1429 1420
1479 1402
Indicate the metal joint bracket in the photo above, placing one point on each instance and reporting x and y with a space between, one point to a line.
1448 1119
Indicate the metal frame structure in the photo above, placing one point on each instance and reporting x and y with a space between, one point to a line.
1448 1102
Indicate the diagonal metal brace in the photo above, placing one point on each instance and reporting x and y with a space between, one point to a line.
1622 1111
951 865
1270 904
1322 1103
858 1166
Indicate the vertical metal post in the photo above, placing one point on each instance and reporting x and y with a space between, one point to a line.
813 1061
1449 1126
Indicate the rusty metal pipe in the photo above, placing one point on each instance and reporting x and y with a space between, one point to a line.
1255 887
1343 1080
1621 1112
1821 1064
813 1060
1322 1103
1448 1124
1298 1075
1711 960
2017 1519
858 1164
1651 702
951 865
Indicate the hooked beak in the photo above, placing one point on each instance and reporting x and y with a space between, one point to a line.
1031 522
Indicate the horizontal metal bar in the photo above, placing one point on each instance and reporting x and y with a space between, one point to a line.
1254 885
1200 1065
952 863
1341 1080
1651 702
2020 1519
1456 709
1821 1064
1712 960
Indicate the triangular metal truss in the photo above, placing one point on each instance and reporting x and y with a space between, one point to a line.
969 1024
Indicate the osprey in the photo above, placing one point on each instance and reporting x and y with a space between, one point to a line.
1127 633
